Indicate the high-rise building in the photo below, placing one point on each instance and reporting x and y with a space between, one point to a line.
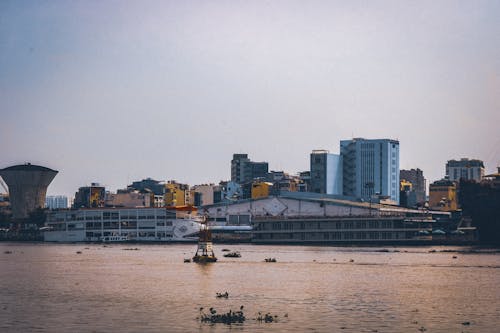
417 180
56 202
243 170
465 169
27 187
326 172
370 167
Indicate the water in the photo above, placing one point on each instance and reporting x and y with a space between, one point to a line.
51 288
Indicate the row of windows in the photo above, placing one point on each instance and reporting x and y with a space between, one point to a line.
346 235
161 234
325 225
99 218
123 225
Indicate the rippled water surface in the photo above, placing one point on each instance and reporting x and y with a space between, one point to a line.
51 288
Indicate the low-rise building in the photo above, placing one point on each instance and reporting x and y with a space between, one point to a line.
205 193
261 189
443 195
130 198
177 194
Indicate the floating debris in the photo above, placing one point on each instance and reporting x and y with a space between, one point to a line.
131 249
422 329
270 260
454 257
78 252
432 251
235 254
187 260
8 252
222 295
228 318
351 260
466 323
225 250
267 318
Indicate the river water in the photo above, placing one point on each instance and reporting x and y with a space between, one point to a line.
52 288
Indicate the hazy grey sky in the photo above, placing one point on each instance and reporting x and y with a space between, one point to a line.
116 91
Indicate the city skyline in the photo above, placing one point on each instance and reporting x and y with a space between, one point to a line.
114 94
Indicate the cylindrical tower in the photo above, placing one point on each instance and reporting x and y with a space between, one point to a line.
27 187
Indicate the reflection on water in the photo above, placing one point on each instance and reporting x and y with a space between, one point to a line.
49 288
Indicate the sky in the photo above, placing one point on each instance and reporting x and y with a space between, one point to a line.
117 91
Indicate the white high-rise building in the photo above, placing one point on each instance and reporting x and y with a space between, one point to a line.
370 167
56 201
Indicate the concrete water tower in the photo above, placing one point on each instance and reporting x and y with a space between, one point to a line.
27 187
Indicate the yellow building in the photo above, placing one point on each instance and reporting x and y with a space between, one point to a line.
443 195
261 189
176 194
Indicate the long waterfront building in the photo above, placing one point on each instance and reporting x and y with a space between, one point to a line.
133 224
313 218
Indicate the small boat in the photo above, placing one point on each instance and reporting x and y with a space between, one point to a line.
222 295
187 260
270 260
235 254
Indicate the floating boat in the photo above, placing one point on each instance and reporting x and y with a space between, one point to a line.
222 295
235 254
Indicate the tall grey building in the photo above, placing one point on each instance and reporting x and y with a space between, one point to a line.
243 170
326 172
416 178
465 169
370 167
